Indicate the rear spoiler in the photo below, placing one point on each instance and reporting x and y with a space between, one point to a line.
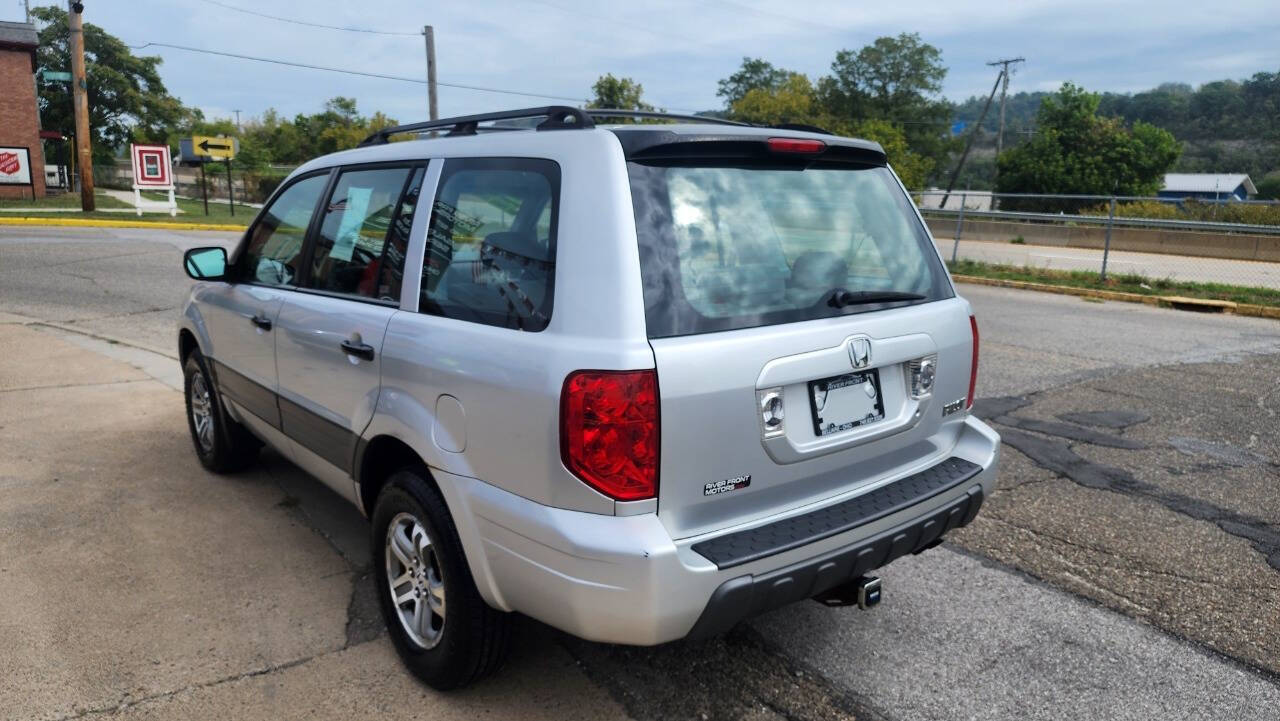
665 145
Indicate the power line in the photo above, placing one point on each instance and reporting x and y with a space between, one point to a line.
667 34
308 66
779 16
304 22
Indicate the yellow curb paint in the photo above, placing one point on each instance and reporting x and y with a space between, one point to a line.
1180 302
1257 311
105 223
1226 306
1059 289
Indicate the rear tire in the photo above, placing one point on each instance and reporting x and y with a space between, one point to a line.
441 627
221 444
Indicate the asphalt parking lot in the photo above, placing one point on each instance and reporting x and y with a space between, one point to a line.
1128 567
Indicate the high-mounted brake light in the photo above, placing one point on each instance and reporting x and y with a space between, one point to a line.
973 367
796 145
609 431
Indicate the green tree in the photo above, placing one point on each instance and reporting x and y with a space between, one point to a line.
796 101
1269 186
886 91
1075 151
620 93
755 73
127 99
897 79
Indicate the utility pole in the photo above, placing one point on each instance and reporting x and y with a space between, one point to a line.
80 91
238 128
969 145
430 35
1004 90
26 5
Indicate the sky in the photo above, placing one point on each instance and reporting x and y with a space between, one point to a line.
676 50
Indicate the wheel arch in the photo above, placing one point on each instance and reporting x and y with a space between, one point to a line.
186 343
381 455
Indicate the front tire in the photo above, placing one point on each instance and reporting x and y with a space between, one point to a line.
221 444
441 627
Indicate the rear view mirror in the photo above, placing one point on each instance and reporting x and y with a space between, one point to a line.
205 263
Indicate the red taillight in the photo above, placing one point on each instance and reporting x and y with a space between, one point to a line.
973 367
796 145
609 431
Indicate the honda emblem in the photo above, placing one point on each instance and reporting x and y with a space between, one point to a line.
860 352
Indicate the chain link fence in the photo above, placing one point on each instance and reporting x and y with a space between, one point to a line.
251 185
1131 242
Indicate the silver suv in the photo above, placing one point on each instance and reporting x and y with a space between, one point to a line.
639 381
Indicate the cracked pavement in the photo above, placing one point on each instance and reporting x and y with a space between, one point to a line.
1190 540
1121 570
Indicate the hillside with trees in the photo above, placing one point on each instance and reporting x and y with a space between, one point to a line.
1224 126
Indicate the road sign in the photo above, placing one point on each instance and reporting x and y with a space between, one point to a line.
55 76
216 148
151 165
152 170
15 166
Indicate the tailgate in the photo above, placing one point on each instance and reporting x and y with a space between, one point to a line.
722 465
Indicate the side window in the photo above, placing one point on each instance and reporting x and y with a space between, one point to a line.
351 251
490 255
392 272
274 250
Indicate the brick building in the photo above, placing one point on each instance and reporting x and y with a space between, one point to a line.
21 174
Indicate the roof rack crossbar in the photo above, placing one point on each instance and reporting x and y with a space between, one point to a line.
558 117
623 113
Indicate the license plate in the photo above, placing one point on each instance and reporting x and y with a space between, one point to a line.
844 402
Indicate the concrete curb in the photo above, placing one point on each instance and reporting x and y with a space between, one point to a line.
105 223
66 328
1165 301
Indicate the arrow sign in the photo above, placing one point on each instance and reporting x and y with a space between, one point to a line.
214 148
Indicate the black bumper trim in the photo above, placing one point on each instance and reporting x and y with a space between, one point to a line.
735 549
745 596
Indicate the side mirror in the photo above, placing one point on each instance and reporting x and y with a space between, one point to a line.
205 263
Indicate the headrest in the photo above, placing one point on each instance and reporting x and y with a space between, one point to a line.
819 269
521 244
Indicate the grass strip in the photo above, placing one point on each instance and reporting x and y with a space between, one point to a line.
1119 282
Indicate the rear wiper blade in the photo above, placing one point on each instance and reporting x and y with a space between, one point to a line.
840 298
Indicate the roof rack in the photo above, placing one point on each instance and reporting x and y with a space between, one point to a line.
621 113
558 117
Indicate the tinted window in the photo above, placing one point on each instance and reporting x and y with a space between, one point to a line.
361 215
274 250
738 247
490 255
393 256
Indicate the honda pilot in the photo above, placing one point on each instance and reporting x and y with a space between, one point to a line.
638 381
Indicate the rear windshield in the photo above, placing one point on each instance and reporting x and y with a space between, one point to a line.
723 248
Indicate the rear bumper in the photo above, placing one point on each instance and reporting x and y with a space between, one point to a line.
623 579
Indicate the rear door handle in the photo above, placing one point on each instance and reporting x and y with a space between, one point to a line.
359 350
261 321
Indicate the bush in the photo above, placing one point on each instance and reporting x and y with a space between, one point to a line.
1192 209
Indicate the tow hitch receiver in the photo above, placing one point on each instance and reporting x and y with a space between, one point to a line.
863 592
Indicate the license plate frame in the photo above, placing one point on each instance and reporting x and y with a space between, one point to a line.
845 385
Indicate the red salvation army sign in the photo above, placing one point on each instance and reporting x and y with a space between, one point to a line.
151 166
15 166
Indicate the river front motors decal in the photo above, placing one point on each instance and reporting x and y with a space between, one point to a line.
728 484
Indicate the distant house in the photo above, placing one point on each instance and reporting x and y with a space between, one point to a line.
973 199
1208 186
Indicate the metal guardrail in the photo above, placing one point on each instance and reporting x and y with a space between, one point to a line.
1109 221
1102 220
